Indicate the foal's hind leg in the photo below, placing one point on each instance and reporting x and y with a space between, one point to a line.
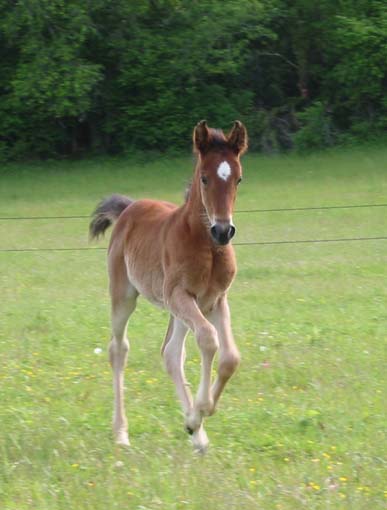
124 297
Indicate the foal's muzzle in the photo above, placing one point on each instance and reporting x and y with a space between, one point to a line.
222 232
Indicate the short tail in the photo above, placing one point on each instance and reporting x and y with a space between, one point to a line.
107 213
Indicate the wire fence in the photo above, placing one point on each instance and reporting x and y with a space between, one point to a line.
240 211
247 243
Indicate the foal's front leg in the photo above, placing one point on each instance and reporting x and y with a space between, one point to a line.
185 308
173 351
229 356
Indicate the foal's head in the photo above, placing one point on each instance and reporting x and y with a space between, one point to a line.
219 172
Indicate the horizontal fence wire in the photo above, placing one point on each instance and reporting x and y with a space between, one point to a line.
16 218
240 211
247 243
317 208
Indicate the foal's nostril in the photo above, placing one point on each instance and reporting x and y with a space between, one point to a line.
231 232
214 231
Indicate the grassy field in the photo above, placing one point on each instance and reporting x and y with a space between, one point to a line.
303 423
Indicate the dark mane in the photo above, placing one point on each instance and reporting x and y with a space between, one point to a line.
187 191
209 139
217 139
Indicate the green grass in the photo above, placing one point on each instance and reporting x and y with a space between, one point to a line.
302 424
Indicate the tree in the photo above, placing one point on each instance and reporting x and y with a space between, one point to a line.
113 75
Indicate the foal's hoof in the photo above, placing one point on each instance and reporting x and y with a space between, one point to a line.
200 441
193 421
122 439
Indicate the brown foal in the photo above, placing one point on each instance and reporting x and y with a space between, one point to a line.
179 258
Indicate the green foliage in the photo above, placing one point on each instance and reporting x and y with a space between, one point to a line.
118 75
50 86
316 131
361 76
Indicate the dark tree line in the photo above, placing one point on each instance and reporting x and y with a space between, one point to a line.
118 75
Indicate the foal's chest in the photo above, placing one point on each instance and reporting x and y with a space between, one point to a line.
216 278
223 269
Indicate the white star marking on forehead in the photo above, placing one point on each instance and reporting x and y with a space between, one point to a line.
224 170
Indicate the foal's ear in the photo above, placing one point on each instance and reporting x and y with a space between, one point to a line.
201 137
237 138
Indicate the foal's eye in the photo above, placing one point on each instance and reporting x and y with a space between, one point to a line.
239 180
204 179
